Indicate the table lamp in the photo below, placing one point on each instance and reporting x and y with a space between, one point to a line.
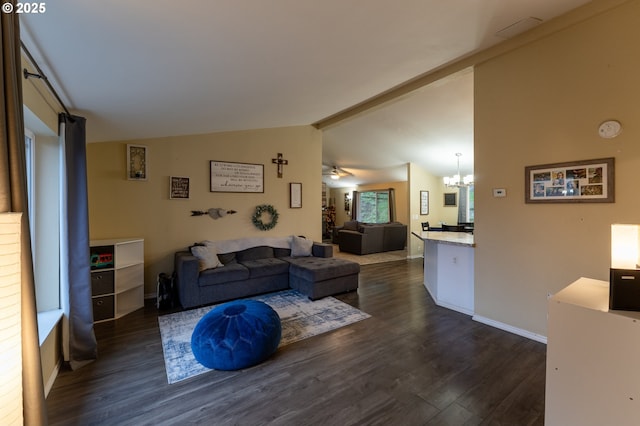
624 278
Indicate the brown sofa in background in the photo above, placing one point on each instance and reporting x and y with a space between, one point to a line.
365 238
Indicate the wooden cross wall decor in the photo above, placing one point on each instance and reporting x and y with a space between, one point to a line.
280 162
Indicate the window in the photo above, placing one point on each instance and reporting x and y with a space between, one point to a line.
42 155
373 206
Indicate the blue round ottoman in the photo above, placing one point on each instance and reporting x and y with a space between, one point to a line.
236 335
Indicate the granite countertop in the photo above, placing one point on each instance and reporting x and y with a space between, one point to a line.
455 238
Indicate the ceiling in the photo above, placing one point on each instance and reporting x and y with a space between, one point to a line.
152 68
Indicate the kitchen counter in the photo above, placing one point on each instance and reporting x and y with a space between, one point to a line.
457 238
448 269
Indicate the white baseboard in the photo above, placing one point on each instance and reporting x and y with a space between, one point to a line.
455 308
511 329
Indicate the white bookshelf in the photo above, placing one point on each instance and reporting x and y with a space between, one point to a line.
592 359
117 277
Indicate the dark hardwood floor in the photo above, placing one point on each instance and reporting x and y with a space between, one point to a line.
411 363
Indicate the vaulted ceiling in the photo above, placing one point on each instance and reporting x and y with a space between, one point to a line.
150 68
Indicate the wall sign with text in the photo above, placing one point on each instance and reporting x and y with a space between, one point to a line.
236 177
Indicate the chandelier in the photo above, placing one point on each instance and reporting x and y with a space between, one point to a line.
455 180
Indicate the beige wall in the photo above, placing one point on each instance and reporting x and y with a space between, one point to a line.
542 103
122 208
51 357
422 180
337 196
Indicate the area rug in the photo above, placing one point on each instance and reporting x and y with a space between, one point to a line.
300 317
369 259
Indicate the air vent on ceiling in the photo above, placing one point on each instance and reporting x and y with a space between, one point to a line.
519 27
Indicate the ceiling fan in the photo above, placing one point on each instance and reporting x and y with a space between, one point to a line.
335 172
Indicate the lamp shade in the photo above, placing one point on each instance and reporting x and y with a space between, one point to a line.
625 246
10 321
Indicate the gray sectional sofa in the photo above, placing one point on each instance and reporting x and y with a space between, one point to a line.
261 265
364 238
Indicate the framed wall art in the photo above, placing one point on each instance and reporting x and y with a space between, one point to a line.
450 199
137 162
424 202
236 177
295 195
586 181
178 188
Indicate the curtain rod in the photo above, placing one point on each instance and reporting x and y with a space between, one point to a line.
41 76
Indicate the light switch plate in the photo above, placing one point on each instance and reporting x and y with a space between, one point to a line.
499 192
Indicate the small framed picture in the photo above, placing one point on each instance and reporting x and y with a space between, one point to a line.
450 199
424 202
137 163
295 195
178 188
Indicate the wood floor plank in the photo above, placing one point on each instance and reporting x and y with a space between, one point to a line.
411 363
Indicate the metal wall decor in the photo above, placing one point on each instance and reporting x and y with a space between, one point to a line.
137 163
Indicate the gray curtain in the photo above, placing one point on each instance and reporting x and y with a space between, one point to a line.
392 205
463 196
13 198
80 345
354 205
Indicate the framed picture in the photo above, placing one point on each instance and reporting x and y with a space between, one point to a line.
450 199
295 195
347 202
424 202
137 163
586 181
236 177
178 188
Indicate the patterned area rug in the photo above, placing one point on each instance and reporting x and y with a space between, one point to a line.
300 318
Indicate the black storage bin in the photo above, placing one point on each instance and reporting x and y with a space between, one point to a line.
101 283
103 308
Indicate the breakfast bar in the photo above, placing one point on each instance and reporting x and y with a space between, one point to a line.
448 269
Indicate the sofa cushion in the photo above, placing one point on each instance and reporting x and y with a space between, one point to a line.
300 247
207 257
315 269
351 225
224 274
266 267
281 252
227 257
260 252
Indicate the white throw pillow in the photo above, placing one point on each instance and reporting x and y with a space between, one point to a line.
207 257
300 247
